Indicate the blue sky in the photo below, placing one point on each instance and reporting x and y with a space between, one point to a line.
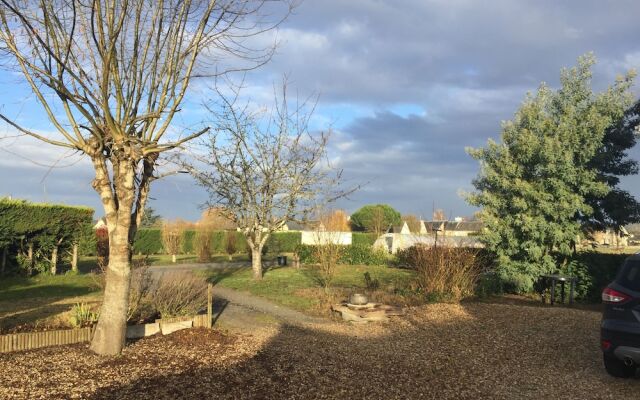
405 86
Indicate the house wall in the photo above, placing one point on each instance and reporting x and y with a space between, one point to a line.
316 238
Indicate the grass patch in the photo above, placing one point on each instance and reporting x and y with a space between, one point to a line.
46 286
296 288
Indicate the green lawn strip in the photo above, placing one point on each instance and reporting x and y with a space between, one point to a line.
47 286
282 285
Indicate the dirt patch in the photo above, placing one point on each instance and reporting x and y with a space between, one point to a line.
438 351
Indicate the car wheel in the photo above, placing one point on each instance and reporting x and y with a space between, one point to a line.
617 368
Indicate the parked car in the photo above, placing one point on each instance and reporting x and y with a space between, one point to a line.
620 327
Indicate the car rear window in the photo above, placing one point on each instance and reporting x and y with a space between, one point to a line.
630 275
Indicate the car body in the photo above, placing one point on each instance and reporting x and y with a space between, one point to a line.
620 327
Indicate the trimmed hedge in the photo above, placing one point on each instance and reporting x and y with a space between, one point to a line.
363 238
149 241
42 225
283 242
350 255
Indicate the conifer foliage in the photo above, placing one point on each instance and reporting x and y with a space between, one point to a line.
534 184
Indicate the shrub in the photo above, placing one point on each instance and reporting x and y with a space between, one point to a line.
82 315
445 273
172 238
139 292
230 246
372 284
594 272
327 256
102 245
179 294
202 244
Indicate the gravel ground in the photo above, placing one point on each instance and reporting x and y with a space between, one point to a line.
440 351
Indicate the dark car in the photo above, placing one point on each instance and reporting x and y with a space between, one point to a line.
620 328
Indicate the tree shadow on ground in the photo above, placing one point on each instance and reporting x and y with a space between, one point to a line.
217 275
464 352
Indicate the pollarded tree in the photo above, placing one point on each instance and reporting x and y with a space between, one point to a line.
263 169
375 218
110 76
533 186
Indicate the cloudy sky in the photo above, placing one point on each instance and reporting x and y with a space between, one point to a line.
405 86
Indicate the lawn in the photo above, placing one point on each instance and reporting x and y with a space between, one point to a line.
300 289
43 301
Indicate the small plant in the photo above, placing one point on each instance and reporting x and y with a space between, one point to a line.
82 315
372 284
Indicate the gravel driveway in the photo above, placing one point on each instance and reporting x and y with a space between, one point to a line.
469 351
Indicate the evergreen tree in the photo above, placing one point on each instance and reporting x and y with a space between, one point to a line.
618 207
533 186
375 218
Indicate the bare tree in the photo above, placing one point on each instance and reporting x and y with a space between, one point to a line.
110 76
266 168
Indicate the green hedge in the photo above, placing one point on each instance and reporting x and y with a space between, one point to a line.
149 241
45 226
283 242
594 271
363 238
351 255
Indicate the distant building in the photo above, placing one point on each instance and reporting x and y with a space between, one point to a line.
451 228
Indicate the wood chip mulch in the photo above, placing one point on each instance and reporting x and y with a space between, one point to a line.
440 351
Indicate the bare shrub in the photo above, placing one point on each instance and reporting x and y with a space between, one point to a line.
180 293
444 273
327 256
231 245
140 308
172 238
202 244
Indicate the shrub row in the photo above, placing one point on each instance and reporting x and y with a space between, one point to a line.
149 241
350 255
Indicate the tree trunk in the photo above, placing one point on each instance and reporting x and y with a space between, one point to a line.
256 262
173 258
54 261
109 336
74 258
110 331
30 256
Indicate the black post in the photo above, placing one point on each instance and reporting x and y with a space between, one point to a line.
553 291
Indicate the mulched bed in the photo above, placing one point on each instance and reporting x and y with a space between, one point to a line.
440 351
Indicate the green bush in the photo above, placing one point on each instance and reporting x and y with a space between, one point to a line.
350 255
594 271
363 238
